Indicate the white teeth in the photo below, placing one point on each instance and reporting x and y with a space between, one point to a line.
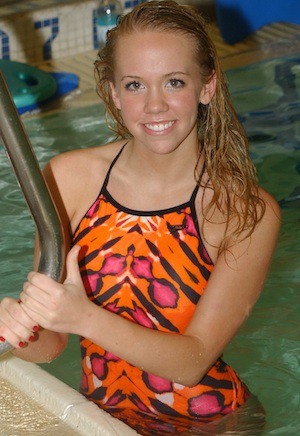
159 127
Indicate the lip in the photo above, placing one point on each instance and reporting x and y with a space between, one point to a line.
159 127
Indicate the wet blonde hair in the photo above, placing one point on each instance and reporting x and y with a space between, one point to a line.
222 141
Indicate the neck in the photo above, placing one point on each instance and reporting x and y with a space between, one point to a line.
164 168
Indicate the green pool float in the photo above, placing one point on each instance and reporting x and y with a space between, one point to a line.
28 85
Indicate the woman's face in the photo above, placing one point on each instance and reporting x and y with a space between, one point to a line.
157 87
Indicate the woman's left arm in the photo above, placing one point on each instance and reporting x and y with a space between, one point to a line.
235 284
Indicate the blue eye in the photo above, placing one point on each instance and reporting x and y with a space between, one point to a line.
176 83
134 86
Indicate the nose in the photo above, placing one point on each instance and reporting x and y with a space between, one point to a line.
156 102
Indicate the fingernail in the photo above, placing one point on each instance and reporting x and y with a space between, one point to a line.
35 328
31 339
2 339
21 344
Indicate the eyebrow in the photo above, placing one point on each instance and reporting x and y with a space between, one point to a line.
174 73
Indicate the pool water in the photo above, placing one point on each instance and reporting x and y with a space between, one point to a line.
265 352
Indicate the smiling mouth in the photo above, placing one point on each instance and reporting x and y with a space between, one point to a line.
159 127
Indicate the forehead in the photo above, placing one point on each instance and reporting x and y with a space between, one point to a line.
154 49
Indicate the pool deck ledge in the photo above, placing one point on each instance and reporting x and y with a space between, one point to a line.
61 400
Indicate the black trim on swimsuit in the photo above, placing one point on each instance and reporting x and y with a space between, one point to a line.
135 212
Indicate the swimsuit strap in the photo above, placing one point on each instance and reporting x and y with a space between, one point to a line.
194 193
111 167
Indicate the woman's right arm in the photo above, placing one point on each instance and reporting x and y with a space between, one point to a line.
30 342
67 176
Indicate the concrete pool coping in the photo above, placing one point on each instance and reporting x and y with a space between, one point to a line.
61 400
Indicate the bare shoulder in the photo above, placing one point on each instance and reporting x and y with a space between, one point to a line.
214 226
68 163
271 203
75 177
272 215
263 237
262 241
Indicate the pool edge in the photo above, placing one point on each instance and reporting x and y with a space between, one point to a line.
60 399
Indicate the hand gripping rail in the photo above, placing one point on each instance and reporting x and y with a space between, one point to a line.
34 188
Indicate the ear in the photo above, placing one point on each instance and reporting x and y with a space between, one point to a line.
114 95
208 90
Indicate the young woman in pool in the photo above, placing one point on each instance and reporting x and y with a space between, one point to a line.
172 236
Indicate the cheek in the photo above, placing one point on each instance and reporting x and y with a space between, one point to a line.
130 106
187 105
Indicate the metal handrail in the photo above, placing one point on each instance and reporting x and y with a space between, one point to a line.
34 188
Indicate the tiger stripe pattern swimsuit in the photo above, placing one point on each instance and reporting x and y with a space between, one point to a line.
150 268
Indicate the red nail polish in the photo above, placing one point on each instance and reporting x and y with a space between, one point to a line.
21 344
31 339
2 339
35 328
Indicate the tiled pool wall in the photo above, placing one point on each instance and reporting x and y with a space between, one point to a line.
39 30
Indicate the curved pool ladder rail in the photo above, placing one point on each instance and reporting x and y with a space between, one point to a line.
34 188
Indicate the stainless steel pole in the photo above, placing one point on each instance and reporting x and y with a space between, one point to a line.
34 188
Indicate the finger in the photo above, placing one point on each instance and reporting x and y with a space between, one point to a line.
14 340
36 307
41 281
73 273
32 294
12 313
37 315
16 326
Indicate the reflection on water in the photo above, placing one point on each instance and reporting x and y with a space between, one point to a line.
265 353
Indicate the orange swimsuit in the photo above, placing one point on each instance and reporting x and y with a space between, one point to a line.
151 268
